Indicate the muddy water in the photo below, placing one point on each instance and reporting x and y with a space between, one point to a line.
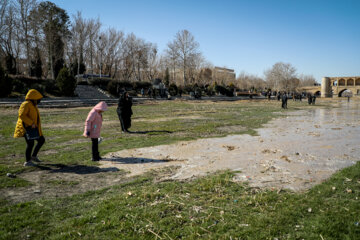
294 152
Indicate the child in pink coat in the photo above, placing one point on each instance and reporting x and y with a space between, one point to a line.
93 125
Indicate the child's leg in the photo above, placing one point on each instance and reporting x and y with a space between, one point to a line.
95 149
29 148
39 144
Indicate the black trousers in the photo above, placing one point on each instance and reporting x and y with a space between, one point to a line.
125 122
30 145
95 148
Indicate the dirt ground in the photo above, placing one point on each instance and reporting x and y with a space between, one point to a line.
294 152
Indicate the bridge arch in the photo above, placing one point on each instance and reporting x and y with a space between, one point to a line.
341 82
350 82
357 82
344 92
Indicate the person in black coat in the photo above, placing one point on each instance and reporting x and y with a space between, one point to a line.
124 111
309 99
313 99
284 101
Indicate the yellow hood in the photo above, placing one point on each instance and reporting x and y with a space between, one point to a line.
33 94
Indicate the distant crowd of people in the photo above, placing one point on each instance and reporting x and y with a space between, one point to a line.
284 96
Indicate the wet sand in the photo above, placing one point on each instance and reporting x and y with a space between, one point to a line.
294 152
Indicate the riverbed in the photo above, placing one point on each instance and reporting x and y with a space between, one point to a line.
293 152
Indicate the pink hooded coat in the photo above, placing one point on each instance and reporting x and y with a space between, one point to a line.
94 119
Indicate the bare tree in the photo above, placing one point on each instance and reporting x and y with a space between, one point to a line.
281 77
246 81
93 26
197 62
171 56
10 38
205 76
131 53
307 80
153 62
80 35
139 59
186 49
112 49
24 8
3 11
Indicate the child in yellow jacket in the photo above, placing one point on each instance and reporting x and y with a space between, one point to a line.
29 116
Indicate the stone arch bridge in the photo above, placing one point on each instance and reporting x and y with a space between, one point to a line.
335 86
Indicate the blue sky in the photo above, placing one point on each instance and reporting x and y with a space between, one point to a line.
318 37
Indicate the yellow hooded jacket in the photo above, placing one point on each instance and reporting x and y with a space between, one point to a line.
28 114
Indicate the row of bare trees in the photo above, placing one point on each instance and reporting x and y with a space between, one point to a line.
38 39
281 77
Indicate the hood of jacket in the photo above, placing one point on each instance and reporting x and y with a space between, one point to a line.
101 106
122 95
33 94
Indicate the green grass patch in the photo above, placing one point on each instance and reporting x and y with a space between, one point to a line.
163 123
212 207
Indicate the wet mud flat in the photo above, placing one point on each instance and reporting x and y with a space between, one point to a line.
294 152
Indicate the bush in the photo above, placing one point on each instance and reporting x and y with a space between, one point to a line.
112 88
209 90
51 87
19 86
74 68
115 86
224 91
100 82
125 85
66 82
173 89
5 84
188 89
140 85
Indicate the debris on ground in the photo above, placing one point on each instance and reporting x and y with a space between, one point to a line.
11 175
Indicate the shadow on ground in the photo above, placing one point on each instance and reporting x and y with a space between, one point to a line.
146 132
77 169
129 160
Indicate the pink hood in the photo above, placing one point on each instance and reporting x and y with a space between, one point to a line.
94 120
101 106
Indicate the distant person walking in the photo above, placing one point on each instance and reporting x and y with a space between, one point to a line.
142 92
29 120
124 111
284 101
309 99
313 99
93 125
149 93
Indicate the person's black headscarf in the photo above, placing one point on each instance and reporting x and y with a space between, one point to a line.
124 104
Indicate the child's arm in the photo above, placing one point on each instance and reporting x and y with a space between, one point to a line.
90 118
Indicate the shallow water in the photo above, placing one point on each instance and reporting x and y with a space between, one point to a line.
294 152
